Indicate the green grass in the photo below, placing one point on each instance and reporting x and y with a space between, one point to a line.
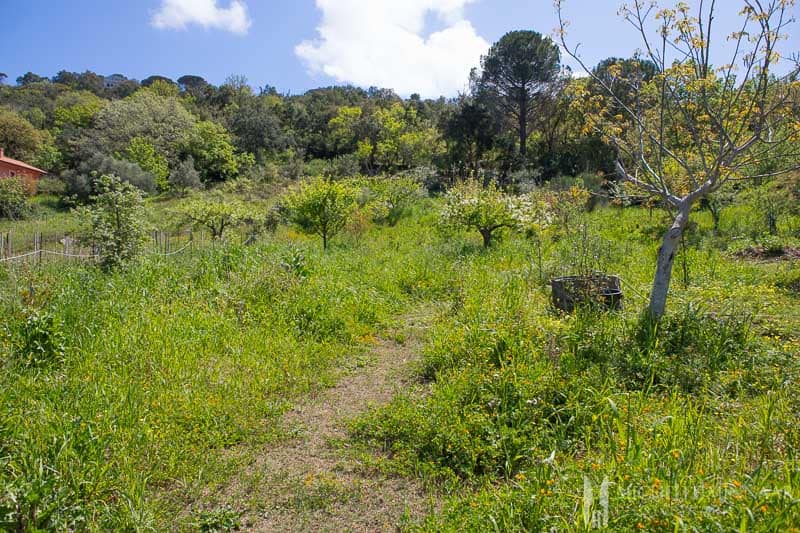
124 393
692 422
166 365
46 218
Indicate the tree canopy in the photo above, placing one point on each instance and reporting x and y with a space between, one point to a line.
517 71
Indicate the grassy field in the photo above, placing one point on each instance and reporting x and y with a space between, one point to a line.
123 392
691 423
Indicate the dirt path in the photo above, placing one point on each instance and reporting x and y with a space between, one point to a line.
314 482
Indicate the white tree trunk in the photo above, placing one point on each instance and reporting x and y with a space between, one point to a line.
666 258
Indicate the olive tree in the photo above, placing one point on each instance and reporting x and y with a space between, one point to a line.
321 207
699 121
185 177
80 181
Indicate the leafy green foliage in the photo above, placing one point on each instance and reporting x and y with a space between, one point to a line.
470 131
164 88
49 156
775 200
143 153
115 221
40 340
403 141
76 109
219 520
294 261
257 127
13 198
391 197
210 146
163 121
321 207
18 137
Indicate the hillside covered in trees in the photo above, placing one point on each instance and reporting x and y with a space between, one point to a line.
72 122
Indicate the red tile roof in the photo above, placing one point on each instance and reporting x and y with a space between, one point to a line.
20 164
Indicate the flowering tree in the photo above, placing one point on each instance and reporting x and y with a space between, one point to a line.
699 121
488 209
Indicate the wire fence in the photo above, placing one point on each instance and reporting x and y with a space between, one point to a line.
37 249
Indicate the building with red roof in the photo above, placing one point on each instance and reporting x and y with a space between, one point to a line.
11 168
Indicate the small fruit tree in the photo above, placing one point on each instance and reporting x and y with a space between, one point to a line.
488 210
393 196
321 207
215 213
699 121
115 221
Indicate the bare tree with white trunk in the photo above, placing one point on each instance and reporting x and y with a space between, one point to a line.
701 121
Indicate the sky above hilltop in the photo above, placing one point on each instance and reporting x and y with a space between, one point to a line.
422 46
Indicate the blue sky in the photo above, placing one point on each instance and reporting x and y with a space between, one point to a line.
409 45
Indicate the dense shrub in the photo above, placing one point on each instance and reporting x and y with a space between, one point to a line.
80 183
114 221
50 186
390 198
143 153
345 166
13 199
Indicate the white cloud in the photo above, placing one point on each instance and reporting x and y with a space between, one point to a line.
381 43
178 14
